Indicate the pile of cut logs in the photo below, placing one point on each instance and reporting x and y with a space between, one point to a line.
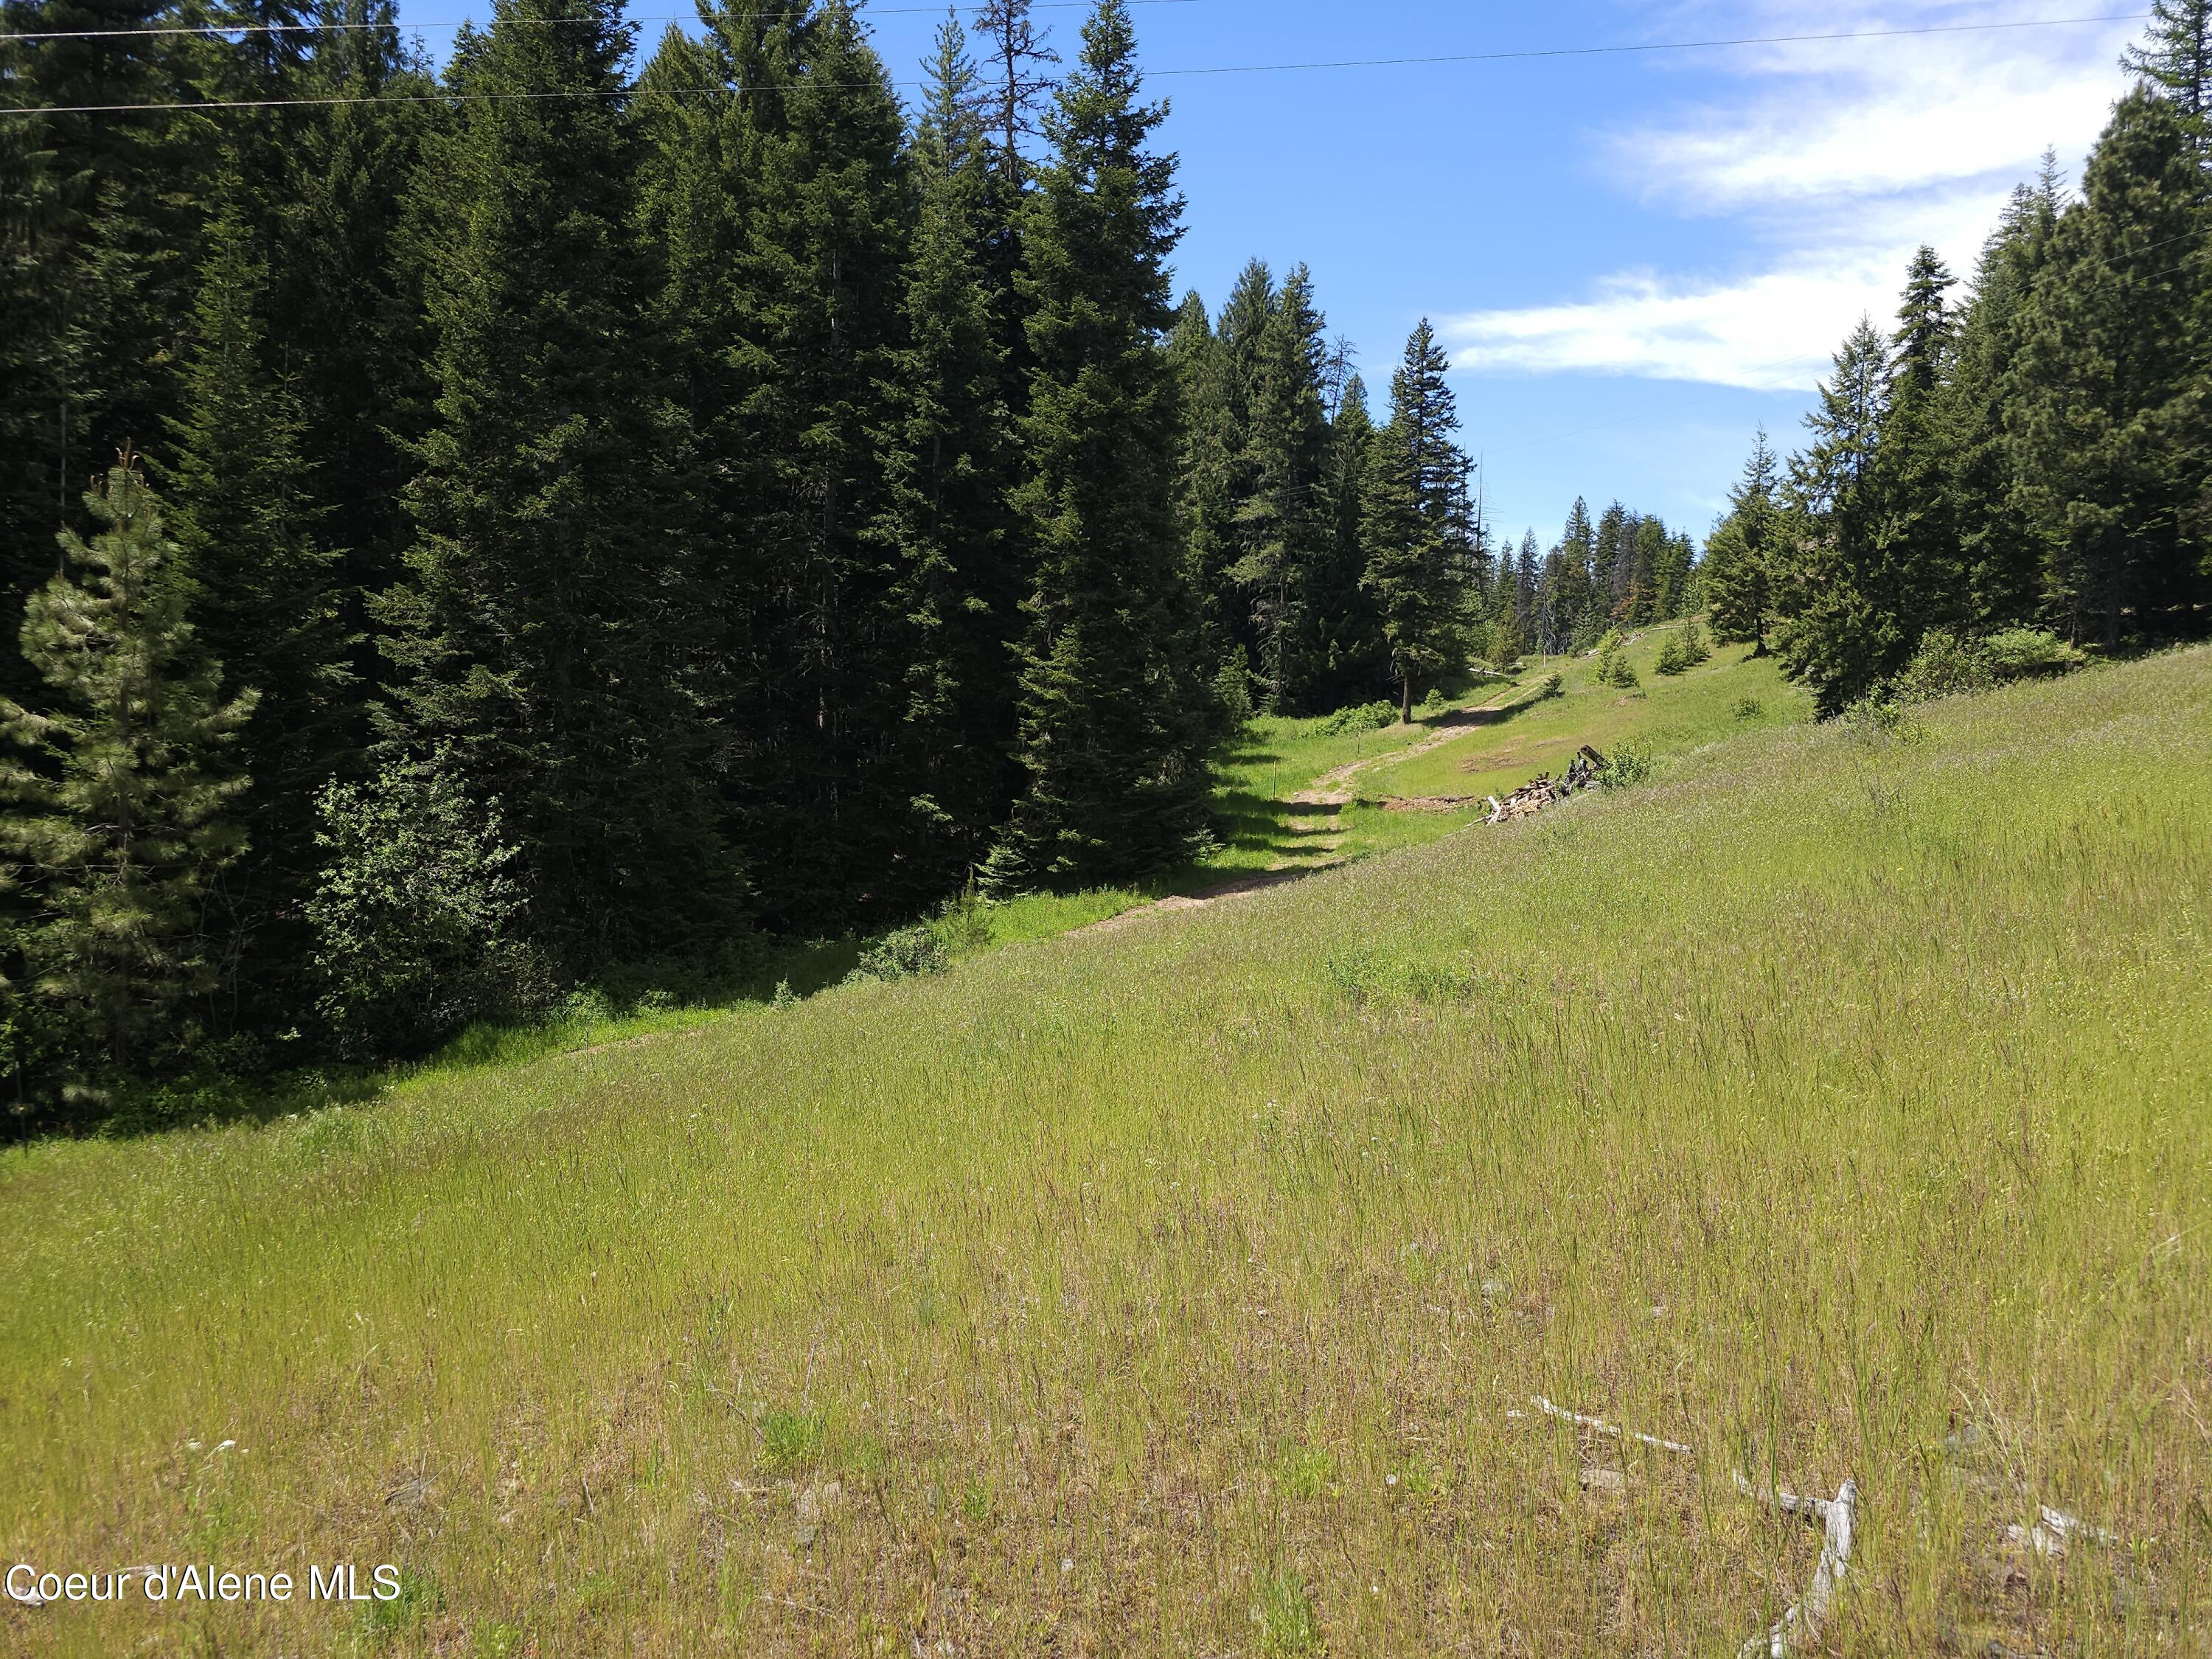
1581 774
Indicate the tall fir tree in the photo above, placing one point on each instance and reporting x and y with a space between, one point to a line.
99 218
1209 449
1414 481
2110 392
344 313
1913 465
1284 523
1843 631
1116 716
812 302
266 600
2001 579
1342 644
1739 574
545 629
950 463
2177 58
121 806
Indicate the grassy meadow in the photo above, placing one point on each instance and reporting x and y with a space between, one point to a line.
1839 1104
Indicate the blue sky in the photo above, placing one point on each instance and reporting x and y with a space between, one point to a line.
1634 258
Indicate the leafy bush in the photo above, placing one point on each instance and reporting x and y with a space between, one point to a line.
2018 653
416 919
1615 670
1879 719
1944 665
1672 659
904 954
1362 717
1628 765
1749 708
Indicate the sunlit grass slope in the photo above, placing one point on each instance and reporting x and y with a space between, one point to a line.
1730 693
1183 1289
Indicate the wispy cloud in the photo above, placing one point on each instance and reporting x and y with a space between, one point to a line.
1833 162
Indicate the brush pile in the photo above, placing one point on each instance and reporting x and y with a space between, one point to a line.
1583 773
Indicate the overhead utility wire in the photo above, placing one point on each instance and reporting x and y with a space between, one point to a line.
1231 69
227 30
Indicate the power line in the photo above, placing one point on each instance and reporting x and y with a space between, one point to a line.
1230 69
229 30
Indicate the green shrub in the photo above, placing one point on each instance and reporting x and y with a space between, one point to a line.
416 919
1878 719
903 955
1233 695
2018 653
1749 708
1555 685
1672 659
1362 717
1628 765
1615 670
1943 665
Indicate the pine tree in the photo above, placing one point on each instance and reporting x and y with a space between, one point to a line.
2109 395
1918 531
1209 449
121 812
1654 588
545 630
1843 630
2001 575
265 603
1343 645
1414 479
950 465
1284 523
97 235
1739 573
1116 717
811 303
344 310
2178 57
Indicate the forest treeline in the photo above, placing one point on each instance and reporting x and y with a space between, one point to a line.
474 532
2029 461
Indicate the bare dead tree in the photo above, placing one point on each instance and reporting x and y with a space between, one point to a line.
1019 59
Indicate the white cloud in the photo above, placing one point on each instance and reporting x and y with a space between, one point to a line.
1833 161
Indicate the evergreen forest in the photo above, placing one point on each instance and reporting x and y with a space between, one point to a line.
573 514
2018 470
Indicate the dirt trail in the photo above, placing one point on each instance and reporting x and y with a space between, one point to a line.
1333 790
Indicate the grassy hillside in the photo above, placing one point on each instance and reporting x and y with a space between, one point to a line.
1730 693
1183 1289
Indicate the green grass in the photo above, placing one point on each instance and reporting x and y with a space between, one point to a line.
1183 1289
1673 714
